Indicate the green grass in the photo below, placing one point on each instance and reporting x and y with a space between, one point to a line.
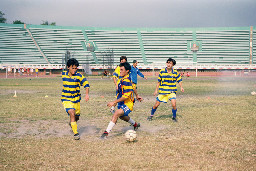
215 129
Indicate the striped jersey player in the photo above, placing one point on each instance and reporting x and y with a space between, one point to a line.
71 96
124 101
166 86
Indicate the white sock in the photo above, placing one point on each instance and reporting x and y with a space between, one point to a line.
110 126
131 121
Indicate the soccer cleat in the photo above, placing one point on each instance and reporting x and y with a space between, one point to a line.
174 119
150 118
136 126
104 135
77 136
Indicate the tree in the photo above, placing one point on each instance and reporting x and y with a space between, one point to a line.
17 22
2 19
47 23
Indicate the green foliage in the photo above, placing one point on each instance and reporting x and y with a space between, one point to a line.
17 22
47 23
2 19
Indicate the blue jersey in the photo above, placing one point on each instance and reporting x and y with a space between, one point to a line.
134 73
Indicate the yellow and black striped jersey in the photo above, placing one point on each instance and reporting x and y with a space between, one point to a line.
125 89
71 86
168 81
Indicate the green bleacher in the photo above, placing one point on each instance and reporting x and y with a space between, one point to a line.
224 46
17 47
37 44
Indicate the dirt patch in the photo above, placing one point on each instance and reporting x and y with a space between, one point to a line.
53 128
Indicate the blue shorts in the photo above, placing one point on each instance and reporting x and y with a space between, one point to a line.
125 109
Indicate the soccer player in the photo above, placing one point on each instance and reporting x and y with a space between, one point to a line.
134 72
116 74
71 96
36 72
124 101
167 88
117 77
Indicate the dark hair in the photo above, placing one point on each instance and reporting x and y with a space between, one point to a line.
72 61
123 57
126 65
171 60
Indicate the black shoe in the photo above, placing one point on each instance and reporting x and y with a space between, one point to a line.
174 119
104 135
150 118
77 136
136 127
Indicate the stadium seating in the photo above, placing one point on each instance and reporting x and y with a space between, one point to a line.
224 46
55 42
37 44
17 47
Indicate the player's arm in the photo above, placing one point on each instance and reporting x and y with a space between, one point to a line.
157 87
86 85
138 97
116 101
181 88
179 80
141 75
115 82
116 76
86 94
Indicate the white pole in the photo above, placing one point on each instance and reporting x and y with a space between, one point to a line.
196 69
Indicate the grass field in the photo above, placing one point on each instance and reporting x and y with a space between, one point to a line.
215 129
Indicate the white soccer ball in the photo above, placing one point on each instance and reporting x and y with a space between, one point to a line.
253 93
130 135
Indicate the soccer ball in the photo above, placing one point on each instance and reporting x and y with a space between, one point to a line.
130 135
253 93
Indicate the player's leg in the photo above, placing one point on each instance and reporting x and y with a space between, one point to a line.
153 110
73 123
174 109
77 107
77 118
71 110
131 121
112 123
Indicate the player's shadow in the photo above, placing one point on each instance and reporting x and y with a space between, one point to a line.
167 116
89 130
